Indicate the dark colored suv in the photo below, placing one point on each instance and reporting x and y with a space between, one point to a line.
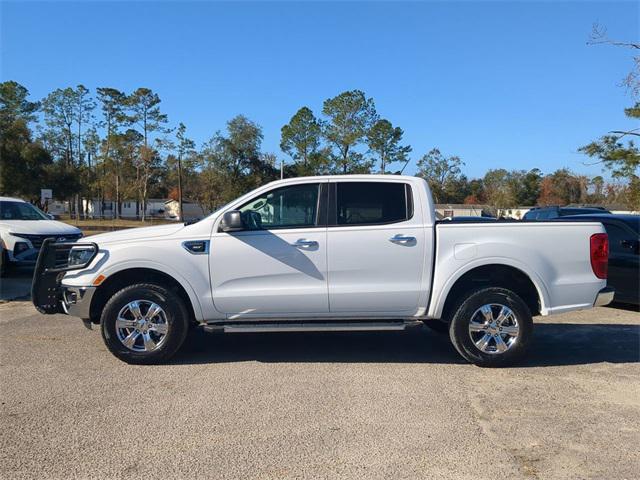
548 213
624 253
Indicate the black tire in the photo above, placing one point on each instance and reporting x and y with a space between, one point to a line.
438 326
177 319
4 263
460 325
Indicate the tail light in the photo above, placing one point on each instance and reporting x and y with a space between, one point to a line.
600 254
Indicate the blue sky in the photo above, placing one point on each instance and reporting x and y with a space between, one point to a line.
501 84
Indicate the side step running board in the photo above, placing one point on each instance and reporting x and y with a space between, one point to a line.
308 327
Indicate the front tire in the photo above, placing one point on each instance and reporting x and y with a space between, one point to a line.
144 324
4 263
492 327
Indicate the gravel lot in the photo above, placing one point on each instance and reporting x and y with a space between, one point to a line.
342 405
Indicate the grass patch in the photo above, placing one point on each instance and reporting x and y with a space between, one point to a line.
120 222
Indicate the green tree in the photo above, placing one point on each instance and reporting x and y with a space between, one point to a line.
22 161
186 148
240 148
301 138
233 162
14 105
112 104
60 116
498 188
84 116
91 146
350 116
440 172
525 186
384 140
621 158
143 107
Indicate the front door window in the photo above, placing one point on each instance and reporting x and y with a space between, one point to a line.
287 207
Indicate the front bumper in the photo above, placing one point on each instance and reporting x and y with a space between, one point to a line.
76 301
47 293
604 297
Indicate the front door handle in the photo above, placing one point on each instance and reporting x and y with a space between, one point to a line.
402 239
302 243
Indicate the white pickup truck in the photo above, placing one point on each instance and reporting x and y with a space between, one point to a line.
334 253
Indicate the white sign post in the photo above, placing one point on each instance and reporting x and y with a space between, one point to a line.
45 194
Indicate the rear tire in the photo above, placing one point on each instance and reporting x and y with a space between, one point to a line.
144 324
492 327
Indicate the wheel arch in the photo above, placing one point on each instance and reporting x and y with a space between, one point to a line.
129 276
512 276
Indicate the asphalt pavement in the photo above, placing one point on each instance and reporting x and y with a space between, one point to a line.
16 286
309 405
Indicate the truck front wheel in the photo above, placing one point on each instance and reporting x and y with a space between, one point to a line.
144 323
492 327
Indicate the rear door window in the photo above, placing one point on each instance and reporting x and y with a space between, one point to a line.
371 203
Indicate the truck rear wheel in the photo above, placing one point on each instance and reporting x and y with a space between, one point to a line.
491 328
144 324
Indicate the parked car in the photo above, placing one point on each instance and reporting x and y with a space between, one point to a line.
624 253
549 213
337 253
23 228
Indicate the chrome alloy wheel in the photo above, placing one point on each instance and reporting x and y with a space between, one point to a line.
493 328
142 326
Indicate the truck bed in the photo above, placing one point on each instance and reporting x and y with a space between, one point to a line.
554 257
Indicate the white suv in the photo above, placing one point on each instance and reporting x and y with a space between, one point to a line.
23 228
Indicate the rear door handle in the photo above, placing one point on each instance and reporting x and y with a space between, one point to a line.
402 239
302 243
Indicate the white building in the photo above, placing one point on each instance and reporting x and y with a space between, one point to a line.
446 210
190 210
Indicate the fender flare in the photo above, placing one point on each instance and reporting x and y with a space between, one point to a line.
437 306
130 264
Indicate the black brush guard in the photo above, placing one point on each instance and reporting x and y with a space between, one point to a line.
52 264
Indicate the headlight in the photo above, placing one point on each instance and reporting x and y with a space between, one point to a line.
20 247
79 256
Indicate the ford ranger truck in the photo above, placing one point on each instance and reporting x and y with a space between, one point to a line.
331 253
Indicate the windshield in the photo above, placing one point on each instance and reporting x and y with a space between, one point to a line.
10 210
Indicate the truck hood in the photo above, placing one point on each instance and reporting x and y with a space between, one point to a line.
38 227
136 233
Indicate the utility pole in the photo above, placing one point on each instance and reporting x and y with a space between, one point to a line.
180 186
281 169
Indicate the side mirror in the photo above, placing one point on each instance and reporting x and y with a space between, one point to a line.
232 221
50 216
